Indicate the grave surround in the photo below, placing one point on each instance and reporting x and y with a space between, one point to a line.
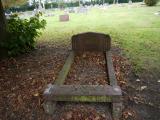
111 93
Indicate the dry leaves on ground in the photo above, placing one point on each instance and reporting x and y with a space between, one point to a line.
80 112
88 68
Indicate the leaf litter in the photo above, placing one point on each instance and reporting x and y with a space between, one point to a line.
23 80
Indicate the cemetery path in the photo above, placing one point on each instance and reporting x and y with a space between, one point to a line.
23 80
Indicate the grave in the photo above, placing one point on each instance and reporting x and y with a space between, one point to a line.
49 15
110 93
71 10
82 10
64 18
157 13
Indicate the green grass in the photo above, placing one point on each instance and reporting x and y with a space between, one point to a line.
135 29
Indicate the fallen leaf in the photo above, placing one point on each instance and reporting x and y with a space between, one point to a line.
36 94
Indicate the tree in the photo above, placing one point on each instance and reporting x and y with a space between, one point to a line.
2 30
3 23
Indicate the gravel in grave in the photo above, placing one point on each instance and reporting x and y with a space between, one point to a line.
88 69
82 111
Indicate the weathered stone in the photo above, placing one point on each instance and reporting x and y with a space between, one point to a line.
64 18
110 69
84 93
82 10
117 110
91 41
64 72
49 107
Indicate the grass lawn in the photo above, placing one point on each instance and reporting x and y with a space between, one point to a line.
135 29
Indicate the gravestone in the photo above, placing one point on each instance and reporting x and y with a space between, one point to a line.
91 41
64 18
49 15
110 93
157 13
130 2
7 15
71 10
82 10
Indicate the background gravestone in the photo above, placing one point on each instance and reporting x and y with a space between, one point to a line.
63 18
71 10
82 10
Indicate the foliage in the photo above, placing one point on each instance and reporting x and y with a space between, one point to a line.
11 3
151 2
22 33
26 7
51 5
21 8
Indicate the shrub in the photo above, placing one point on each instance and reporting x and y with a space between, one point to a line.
21 34
151 2
54 5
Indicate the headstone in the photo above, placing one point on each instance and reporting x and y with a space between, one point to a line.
130 2
104 6
82 10
7 15
157 13
63 18
71 10
49 15
91 41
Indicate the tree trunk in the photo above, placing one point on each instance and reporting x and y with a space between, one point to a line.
79 3
2 30
34 2
117 1
39 5
114 1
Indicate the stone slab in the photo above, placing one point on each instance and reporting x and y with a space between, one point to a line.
91 41
110 69
64 18
84 93
66 67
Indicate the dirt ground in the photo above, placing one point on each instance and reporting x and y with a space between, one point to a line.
24 78
88 68
82 111
141 93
